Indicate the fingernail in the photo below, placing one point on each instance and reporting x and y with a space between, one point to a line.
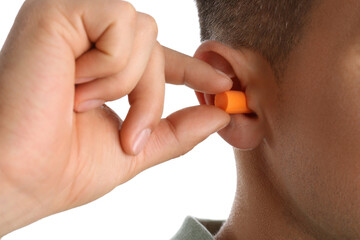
223 126
84 80
223 74
88 105
141 141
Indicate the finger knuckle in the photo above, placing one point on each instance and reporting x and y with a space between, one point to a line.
113 90
127 8
151 24
51 22
115 65
121 62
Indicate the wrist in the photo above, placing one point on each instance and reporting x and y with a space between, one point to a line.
16 210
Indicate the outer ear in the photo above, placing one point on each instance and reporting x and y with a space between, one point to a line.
247 69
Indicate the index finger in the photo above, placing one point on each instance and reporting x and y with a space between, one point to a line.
181 69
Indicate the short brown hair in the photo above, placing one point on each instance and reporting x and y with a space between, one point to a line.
270 27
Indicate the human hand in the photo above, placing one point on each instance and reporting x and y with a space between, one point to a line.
58 56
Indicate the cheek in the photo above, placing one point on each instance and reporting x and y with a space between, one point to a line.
315 156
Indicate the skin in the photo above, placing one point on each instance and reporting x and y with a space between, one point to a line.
296 154
301 178
57 152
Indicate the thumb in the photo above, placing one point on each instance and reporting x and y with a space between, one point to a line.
179 133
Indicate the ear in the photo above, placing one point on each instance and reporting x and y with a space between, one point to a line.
249 72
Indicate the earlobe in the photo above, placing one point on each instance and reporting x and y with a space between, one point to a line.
245 131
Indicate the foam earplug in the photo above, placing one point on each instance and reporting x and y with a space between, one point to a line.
232 102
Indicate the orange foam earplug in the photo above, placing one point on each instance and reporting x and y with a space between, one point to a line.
232 102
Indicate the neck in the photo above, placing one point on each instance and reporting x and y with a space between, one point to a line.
258 211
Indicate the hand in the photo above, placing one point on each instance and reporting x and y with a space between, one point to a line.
60 146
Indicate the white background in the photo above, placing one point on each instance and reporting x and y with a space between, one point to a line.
154 204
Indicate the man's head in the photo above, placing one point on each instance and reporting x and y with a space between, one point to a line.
272 28
305 129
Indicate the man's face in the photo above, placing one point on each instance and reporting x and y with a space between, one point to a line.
315 143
